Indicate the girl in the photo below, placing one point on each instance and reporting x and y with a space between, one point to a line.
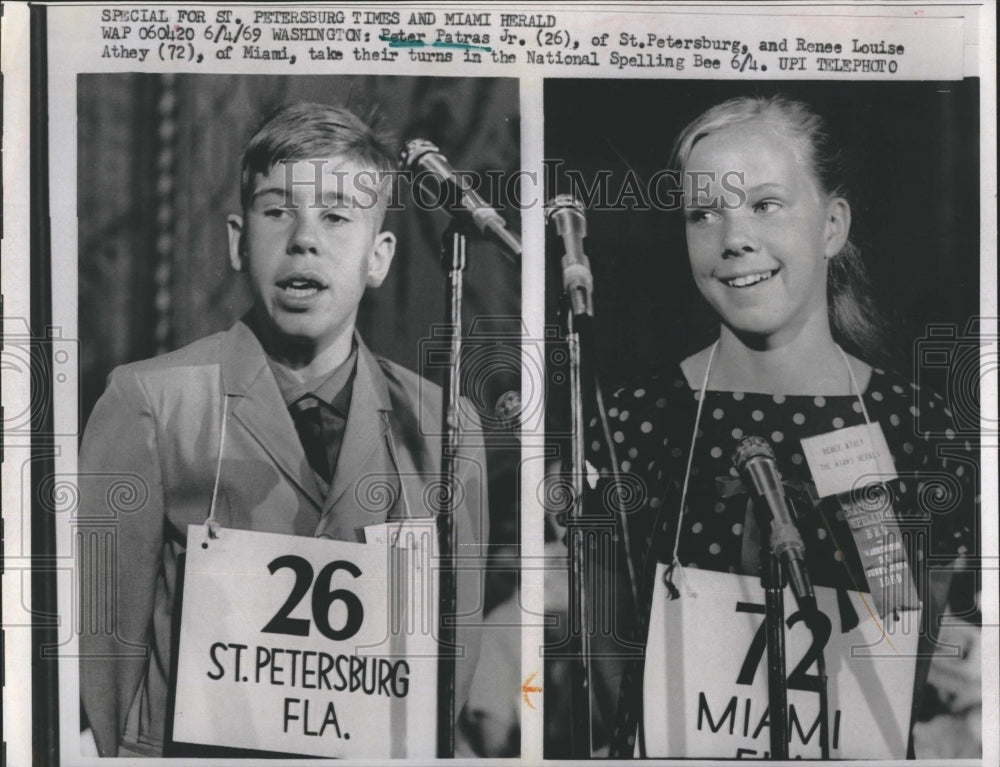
768 218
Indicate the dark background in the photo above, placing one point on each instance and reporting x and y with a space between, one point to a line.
158 171
915 152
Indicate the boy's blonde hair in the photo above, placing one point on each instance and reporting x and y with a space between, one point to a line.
306 131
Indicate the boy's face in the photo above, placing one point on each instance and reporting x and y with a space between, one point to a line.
309 240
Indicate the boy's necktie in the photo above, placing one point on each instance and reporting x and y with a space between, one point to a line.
320 430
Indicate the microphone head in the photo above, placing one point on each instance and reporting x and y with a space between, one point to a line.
564 202
413 150
749 448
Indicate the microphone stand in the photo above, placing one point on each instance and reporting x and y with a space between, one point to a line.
773 580
585 387
581 716
453 244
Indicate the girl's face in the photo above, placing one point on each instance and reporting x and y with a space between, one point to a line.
760 230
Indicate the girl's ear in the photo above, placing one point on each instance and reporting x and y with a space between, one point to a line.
838 226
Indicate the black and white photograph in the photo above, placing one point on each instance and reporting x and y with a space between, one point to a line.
264 342
543 382
777 367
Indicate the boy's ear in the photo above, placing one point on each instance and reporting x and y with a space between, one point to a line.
380 259
838 226
235 225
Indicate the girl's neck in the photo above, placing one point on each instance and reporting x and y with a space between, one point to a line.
809 364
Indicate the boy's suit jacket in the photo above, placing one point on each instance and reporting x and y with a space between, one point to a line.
147 468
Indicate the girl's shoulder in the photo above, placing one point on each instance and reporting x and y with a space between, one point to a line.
650 393
692 369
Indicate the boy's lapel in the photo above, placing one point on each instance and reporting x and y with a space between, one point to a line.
364 461
257 404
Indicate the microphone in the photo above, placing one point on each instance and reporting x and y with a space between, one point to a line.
754 459
566 212
420 154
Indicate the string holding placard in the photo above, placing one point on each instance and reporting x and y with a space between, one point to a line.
668 581
212 526
675 563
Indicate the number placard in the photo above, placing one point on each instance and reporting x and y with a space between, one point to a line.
705 684
309 646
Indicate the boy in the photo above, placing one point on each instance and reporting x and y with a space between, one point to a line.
285 423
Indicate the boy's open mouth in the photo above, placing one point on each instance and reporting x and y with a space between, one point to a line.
746 280
300 287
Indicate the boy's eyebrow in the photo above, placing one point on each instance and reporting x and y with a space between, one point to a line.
330 198
268 190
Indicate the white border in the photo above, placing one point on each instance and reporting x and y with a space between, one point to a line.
979 58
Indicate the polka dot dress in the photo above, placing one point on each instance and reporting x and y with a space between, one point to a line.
651 424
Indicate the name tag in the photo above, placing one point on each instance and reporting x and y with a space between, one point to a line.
705 684
848 459
309 646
